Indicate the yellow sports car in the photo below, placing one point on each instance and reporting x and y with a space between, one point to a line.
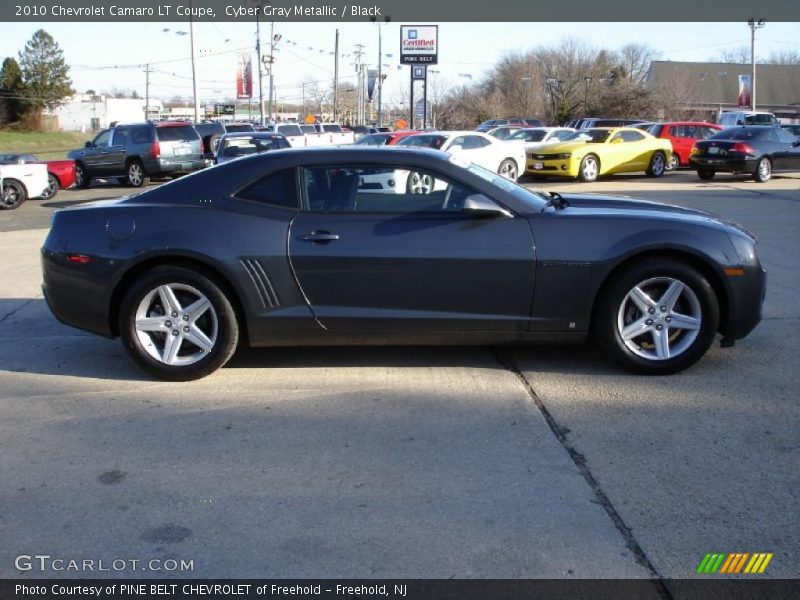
593 152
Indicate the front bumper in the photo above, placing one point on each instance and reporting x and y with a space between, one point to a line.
746 301
562 167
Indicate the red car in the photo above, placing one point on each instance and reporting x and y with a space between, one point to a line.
683 135
60 173
389 138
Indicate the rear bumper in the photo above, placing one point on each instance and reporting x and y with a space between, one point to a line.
745 165
178 165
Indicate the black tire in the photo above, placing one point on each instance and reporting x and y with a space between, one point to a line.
82 178
615 311
218 322
52 187
13 194
209 141
135 175
706 174
763 172
508 170
585 172
657 166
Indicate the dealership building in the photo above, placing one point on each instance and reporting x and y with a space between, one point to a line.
91 112
712 87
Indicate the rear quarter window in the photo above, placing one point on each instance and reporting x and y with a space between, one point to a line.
277 189
177 134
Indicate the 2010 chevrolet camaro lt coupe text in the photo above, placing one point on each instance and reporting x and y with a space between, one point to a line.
332 246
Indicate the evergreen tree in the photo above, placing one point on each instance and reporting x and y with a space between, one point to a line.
44 72
12 91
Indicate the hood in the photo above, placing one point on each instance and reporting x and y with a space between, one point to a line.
539 146
583 204
561 147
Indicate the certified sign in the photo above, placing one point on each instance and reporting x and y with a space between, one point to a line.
419 44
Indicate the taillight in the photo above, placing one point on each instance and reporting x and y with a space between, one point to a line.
743 148
80 259
155 148
695 150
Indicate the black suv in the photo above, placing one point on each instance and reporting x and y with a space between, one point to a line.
139 151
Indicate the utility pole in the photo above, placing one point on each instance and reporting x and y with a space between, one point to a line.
260 75
271 65
336 78
359 52
753 26
194 68
146 91
380 67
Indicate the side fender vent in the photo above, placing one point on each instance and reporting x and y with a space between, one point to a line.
261 281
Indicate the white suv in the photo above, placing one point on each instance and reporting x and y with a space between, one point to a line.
746 117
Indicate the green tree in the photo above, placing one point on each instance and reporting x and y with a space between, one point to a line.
44 71
12 91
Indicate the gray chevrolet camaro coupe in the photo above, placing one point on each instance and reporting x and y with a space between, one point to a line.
331 246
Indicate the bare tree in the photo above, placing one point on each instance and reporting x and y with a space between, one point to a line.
784 57
739 55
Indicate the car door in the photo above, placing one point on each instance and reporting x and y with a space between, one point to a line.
93 156
114 156
787 154
371 260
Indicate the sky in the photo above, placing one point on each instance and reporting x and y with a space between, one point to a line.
106 55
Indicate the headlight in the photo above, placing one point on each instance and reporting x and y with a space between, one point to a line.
745 247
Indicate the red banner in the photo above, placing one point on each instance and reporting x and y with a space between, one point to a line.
244 77
745 91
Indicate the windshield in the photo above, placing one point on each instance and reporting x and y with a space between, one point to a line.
332 128
290 129
374 139
533 135
242 146
591 136
533 199
745 133
236 128
423 141
762 119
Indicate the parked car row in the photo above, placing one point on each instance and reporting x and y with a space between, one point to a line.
60 173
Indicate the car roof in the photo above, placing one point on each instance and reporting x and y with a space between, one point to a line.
252 134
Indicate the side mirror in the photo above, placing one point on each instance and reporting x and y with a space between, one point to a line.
616 140
481 207
89 145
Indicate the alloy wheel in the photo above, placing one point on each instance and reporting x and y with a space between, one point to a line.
420 183
508 170
11 196
659 319
657 166
673 163
589 169
135 174
176 324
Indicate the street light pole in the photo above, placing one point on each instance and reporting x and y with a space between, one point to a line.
194 69
380 67
753 26
260 75
271 65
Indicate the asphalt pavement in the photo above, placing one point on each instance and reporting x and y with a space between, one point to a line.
405 462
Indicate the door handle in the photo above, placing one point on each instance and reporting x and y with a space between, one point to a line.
320 236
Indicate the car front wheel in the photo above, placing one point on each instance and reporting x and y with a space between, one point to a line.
589 169
178 324
657 317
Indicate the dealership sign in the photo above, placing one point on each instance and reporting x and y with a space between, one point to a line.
419 44
244 77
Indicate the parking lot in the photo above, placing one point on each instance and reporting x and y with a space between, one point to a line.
405 462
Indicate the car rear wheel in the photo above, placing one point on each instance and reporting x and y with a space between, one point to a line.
136 177
13 195
658 164
763 171
673 163
706 174
589 169
508 170
52 187
420 183
657 317
178 324
82 179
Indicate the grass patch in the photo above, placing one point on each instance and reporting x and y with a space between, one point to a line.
49 146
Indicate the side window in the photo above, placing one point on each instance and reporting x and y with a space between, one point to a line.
631 136
561 135
460 142
381 189
140 135
102 138
475 141
785 136
120 136
276 189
